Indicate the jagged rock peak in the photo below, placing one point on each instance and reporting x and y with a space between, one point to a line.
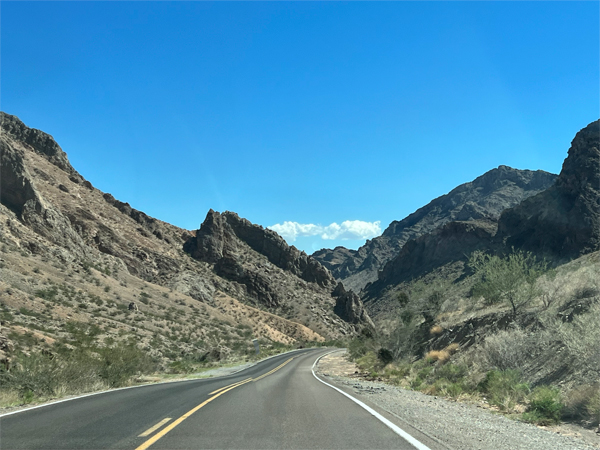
41 142
581 169
564 221
483 198
217 238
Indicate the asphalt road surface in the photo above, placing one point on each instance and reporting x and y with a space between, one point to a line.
276 404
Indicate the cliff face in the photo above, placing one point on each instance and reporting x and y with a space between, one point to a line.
563 221
485 198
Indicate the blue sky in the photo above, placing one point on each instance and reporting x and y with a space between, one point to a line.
312 113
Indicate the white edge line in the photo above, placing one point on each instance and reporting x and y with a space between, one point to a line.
143 385
396 429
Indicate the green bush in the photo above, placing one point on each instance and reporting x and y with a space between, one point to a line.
582 403
452 372
358 347
504 388
416 383
368 362
454 389
545 406
47 294
67 372
121 362
509 280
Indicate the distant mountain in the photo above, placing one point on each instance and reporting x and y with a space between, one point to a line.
485 198
560 223
69 252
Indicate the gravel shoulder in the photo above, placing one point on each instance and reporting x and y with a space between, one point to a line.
458 425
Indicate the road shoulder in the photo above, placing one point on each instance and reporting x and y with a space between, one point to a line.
456 425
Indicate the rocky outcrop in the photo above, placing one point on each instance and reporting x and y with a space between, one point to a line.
16 187
350 308
564 221
18 193
278 252
216 240
454 241
223 240
51 212
39 141
483 198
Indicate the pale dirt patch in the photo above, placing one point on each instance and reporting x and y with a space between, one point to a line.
337 365
263 323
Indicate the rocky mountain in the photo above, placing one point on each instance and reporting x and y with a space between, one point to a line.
237 249
484 198
71 253
563 221
560 223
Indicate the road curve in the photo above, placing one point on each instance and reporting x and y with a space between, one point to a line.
276 404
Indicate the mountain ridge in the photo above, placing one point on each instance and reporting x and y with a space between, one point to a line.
484 198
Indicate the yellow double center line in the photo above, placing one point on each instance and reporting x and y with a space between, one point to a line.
274 370
216 393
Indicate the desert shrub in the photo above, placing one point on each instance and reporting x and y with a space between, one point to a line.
453 389
46 375
436 329
416 383
83 334
545 406
424 372
121 362
452 372
582 403
47 294
510 280
586 292
407 316
359 346
368 362
181 366
402 298
504 388
510 349
581 339
452 348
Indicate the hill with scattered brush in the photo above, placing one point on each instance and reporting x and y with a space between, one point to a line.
71 255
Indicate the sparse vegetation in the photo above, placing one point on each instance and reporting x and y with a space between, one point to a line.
508 280
554 317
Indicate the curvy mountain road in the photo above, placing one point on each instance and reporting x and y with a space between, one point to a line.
275 404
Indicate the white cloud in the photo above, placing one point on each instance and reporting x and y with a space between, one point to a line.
349 229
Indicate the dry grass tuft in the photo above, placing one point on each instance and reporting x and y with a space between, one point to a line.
9 398
436 329
452 348
438 355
